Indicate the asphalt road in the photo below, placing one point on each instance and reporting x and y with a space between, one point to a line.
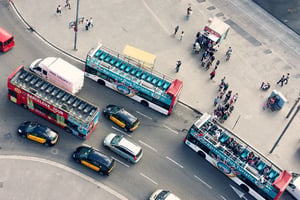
167 162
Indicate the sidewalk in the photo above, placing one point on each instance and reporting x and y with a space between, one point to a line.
51 181
148 25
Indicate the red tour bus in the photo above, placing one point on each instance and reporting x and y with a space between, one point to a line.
56 105
6 40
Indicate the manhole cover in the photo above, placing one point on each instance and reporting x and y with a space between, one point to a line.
268 51
1 184
200 1
220 14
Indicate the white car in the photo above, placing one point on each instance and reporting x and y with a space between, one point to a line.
294 187
124 147
163 195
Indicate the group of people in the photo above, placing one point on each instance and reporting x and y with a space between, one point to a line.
226 106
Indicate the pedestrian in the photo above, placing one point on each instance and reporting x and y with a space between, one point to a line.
226 86
208 65
91 22
227 96
87 24
178 64
234 98
212 74
181 35
286 80
221 95
281 80
58 10
188 12
68 4
204 54
198 35
216 100
176 30
217 64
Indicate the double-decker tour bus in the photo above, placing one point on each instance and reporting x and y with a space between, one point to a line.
70 112
253 172
6 40
129 78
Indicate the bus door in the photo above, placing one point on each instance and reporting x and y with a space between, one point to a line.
6 40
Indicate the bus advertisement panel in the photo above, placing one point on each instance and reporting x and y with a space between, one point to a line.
70 112
6 40
127 77
253 172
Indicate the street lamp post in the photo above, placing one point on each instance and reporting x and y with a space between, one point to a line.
76 26
285 129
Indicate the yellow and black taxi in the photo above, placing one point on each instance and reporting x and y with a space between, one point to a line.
121 117
38 133
93 159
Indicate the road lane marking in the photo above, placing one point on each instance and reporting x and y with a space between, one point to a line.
172 130
119 161
147 145
144 115
116 129
176 163
199 179
149 179
223 197
68 169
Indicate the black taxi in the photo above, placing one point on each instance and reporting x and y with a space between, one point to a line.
38 133
121 117
93 159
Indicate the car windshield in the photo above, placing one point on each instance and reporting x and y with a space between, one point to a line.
163 195
115 109
31 126
116 139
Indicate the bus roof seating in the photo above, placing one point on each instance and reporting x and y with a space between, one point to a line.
133 71
128 68
123 65
149 78
118 63
244 154
223 138
113 60
260 166
102 55
98 53
144 75
107 58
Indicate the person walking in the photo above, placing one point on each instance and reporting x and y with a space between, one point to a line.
58 10
281 80
176 30
178 64
87 24
216 100
217 64
286 80
227 96
68 4
188 12
234 98
212 74
181 35
91 22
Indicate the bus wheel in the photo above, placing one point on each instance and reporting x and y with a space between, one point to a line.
200 153
24 106
101 82
68 130
244 188
145 103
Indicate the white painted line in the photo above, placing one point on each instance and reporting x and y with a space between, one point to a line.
148 178
116 129
170 129
176 163
147 145
68 169
144 115
121 162
223 197
199 179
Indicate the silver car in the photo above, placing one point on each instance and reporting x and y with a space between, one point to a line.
124 147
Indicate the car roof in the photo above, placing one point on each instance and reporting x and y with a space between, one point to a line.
99 157
126 116
130 146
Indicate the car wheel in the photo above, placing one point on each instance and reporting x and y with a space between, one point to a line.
25 106
126 129
74 157
23 135
106 115
46 144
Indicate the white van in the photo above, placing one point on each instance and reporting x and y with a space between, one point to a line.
60 73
